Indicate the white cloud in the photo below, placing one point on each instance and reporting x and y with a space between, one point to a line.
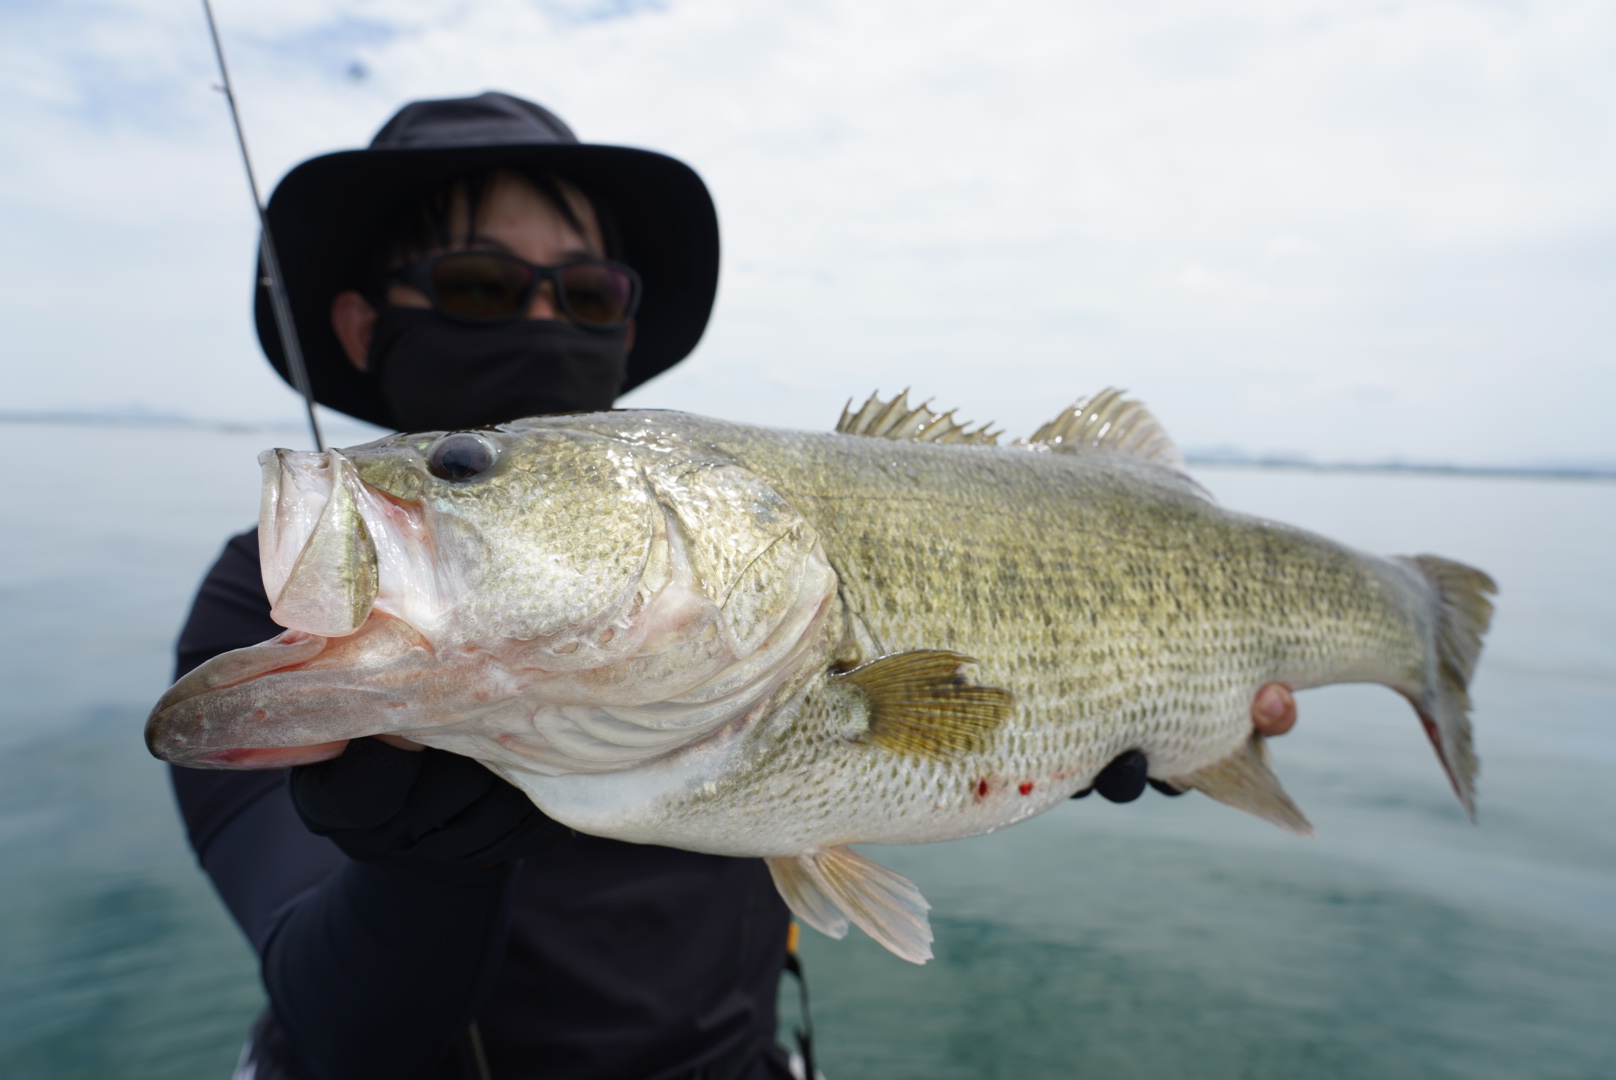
1353 230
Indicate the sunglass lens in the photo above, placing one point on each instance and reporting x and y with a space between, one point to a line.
597 294
476 286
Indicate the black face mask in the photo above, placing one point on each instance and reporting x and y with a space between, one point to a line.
436 374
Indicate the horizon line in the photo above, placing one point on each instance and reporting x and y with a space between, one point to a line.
1222 457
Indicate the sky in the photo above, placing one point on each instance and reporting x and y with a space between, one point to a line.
1345 229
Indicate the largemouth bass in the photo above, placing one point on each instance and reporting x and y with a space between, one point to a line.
673 630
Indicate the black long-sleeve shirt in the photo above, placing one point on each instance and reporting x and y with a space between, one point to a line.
598 959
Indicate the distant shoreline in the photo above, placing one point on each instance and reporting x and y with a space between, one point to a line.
158 420
1214 460
11 416
1515 472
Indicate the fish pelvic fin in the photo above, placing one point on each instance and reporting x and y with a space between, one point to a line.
805 897
896 419
1245 780
1463 614
1109 421
920 703
826 889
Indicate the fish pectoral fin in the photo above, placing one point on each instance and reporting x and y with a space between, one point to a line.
920 703
1245 780
828 888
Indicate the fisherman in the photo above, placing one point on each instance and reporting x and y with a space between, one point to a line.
415 915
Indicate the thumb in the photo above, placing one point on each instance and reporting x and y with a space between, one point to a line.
362 788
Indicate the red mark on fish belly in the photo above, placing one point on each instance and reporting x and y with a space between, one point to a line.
982 789
1026 787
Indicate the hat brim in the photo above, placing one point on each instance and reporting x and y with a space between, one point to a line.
327 212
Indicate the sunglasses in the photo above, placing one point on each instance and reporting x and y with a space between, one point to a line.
491 286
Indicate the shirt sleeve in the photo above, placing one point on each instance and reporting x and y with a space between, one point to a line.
371 970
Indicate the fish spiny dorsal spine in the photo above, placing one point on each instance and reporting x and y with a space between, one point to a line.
898 420
1108 421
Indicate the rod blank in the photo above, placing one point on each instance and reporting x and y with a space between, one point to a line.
278 301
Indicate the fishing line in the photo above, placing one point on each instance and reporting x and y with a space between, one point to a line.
278 301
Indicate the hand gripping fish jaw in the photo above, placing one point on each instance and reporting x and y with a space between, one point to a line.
391 566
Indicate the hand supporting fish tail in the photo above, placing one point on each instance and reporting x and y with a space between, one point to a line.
1273 712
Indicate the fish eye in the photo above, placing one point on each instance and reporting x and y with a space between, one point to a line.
461 456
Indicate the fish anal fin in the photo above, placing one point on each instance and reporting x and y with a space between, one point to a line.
885 905
1245 780
896 419
920 703
803 894
1109 421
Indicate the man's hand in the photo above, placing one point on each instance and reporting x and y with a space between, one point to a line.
1273 712
424 808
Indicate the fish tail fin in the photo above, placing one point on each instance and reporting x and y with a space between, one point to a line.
827 888
1462 614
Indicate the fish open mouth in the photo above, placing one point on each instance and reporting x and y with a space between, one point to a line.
332 548
386 603
350 573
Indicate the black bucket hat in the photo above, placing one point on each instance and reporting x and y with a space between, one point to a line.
327 213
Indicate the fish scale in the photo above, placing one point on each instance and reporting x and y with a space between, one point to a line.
1113 573
675 630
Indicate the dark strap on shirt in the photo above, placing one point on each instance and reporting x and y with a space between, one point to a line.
730 1065
274 1059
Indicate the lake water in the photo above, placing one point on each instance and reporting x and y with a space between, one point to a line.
1166 938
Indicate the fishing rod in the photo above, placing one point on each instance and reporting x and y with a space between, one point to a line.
278 301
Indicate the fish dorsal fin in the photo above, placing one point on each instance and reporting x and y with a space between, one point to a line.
1109 421
898 420
1245 780
827 888
920 703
